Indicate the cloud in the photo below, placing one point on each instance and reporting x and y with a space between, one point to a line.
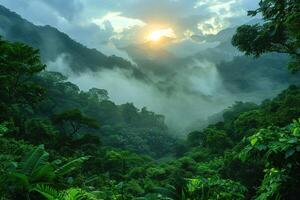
67 9
118 22
80 18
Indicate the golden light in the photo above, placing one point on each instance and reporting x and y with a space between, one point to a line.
157 35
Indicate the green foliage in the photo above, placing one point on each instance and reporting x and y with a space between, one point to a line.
215 188
71 194
214 163
3 129
279 148
217 140
235 110
39 131
21 178
280 31
19 63
34 160
71 166
195 138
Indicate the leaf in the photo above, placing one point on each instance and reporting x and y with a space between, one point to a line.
71 166
35 159
253 141
47 191
289 153
43 173
19 179
292 140
261 147
71 194
296 132
77 194
3 129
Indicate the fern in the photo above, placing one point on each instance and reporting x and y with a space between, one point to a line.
70 166
35 159
48 192
77 194
71 194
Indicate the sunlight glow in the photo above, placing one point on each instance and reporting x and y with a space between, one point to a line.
157 35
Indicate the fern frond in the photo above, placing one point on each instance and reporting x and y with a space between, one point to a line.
48 192
70 194
74 194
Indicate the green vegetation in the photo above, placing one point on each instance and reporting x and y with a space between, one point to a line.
58 142
279 32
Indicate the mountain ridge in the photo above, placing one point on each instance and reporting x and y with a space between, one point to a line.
17 29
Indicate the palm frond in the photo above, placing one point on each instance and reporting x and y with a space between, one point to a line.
19 179
34 159
43 173
70 166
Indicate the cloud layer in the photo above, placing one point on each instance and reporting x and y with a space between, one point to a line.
110 23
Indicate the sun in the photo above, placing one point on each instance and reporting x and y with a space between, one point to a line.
157 35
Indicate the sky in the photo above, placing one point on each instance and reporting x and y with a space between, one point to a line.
108 25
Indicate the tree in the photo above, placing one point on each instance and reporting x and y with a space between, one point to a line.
98 94
19 94
280 31
74 120
217 140
18 64
196 138
130 113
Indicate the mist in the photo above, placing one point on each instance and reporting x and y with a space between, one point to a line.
187 99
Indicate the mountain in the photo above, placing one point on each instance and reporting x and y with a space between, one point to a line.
52 43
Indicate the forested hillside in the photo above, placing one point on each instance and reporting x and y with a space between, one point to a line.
58 142
52 43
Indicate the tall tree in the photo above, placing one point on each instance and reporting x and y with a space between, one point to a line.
73 120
